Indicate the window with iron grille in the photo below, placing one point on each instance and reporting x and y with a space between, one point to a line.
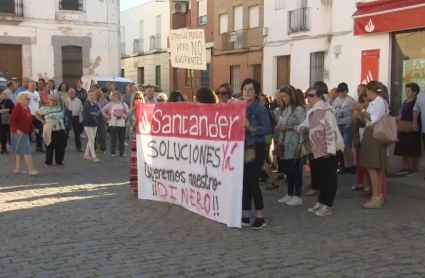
11 7
205 77
235 78
71 5
298 20
317 66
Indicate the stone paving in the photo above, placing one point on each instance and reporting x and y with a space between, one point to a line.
80 221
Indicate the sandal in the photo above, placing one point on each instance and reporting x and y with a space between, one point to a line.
33 173
19 171
273 185
357 187
312 192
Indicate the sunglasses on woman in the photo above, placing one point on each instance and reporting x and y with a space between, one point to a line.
221 93
310 95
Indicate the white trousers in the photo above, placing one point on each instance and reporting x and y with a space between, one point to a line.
91 135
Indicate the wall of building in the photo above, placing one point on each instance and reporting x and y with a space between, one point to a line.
191 20
148 59
149 63
223 63
44 28
331 25
147 12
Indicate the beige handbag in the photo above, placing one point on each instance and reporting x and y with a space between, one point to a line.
385 130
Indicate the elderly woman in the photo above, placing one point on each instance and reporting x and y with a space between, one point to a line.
91 113
325 140
205 95
135 99
116 112
224 93
292 116
409 144
20 122
54 131
257 124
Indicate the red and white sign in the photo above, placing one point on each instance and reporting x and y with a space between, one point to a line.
370 66
191 154
388 16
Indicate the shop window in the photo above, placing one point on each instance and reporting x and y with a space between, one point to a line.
408 65
317 66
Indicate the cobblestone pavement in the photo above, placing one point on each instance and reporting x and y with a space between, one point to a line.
80 221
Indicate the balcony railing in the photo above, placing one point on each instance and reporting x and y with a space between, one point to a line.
12 8
123 48
234 40
138 45
299 20
155 42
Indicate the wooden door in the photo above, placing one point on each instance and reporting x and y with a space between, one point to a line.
11 62
283 71
72 64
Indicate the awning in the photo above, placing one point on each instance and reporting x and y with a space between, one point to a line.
388 16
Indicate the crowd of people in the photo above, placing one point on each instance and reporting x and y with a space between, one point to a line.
314 131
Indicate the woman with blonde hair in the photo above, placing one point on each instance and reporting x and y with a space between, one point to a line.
135 99
91 113
21 125
116 112
101 102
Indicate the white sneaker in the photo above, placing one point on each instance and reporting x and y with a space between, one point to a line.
125 143
295 201
83 136
285 199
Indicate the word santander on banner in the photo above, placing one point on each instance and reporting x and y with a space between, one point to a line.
191 154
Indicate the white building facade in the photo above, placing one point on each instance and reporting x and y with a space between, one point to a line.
59 39
144 32
344 41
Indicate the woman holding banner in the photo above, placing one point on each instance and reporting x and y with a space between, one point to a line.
135 99
257 124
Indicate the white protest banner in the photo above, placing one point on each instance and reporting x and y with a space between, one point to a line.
187 49
191 154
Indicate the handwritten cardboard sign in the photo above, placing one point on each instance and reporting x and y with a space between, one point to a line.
187 49
191 154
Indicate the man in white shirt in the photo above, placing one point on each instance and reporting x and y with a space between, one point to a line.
34 106
75 105
150 98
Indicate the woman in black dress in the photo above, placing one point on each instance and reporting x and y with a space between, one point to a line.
409 144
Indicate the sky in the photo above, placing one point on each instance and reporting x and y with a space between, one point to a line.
128 4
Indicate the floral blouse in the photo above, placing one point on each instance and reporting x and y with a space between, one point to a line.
290 138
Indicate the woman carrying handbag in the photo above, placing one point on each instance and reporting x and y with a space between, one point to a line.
409 144
292 116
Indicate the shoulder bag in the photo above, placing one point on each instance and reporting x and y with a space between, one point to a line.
279 150
385 130
403 125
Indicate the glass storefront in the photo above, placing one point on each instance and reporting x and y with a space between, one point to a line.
408 64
